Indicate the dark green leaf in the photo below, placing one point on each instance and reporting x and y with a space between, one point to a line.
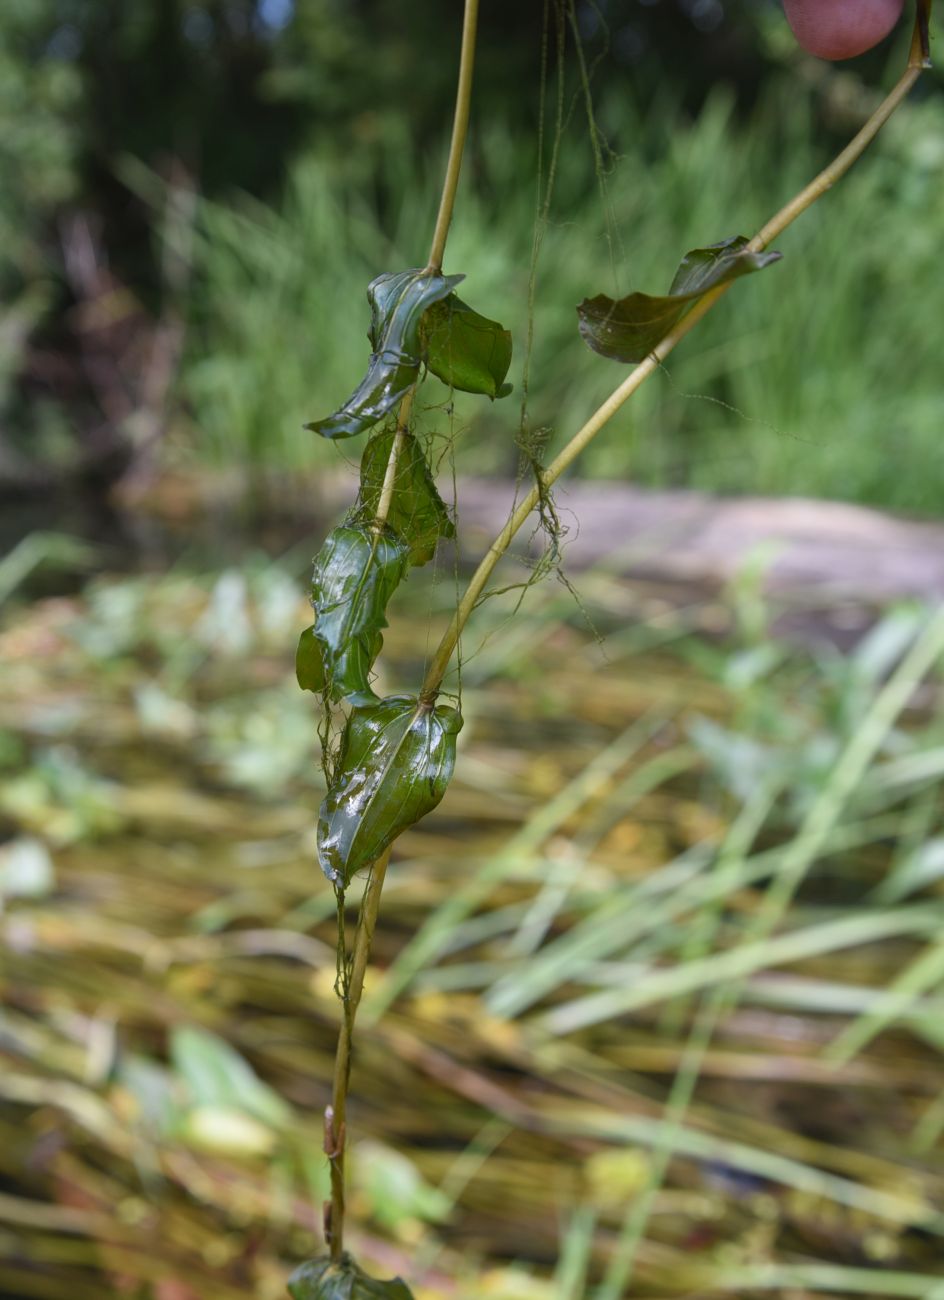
309 662
320 1279
466 350
355 574
397 303
396 760
417 512
628 329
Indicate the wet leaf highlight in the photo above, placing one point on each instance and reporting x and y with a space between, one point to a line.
628 329
397 758
397 303
355 574
320 1279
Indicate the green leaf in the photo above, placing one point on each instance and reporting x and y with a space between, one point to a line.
394 1189
309 662
396 760
355 574
628 329
417 512
216 1076
397 303
320 1279
466 350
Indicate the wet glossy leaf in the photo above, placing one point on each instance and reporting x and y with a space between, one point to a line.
355 574
396 760
417 512
466 350
397 303
627 329
319 1279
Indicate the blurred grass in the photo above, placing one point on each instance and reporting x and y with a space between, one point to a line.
661 977
817 378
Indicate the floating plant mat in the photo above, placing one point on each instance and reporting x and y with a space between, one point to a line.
168 1006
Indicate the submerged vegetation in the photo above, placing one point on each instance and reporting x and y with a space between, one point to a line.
592 894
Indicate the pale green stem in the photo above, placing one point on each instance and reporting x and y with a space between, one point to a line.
390 473
460 127
336 1114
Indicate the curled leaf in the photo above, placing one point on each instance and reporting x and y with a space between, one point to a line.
466 350
355 574
417 512
320 1279
397 303
627 329
396 760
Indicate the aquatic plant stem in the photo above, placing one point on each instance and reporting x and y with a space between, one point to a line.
335 1117
819 186
390 473
447 202
336 1113
353 987
460 127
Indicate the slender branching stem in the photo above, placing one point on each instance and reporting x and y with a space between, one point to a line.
335 1117
336 1114
460 127
777 224
390 473
353 986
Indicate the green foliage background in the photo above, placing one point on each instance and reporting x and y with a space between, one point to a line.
313 134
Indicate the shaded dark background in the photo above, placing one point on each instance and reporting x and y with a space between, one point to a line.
105 103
